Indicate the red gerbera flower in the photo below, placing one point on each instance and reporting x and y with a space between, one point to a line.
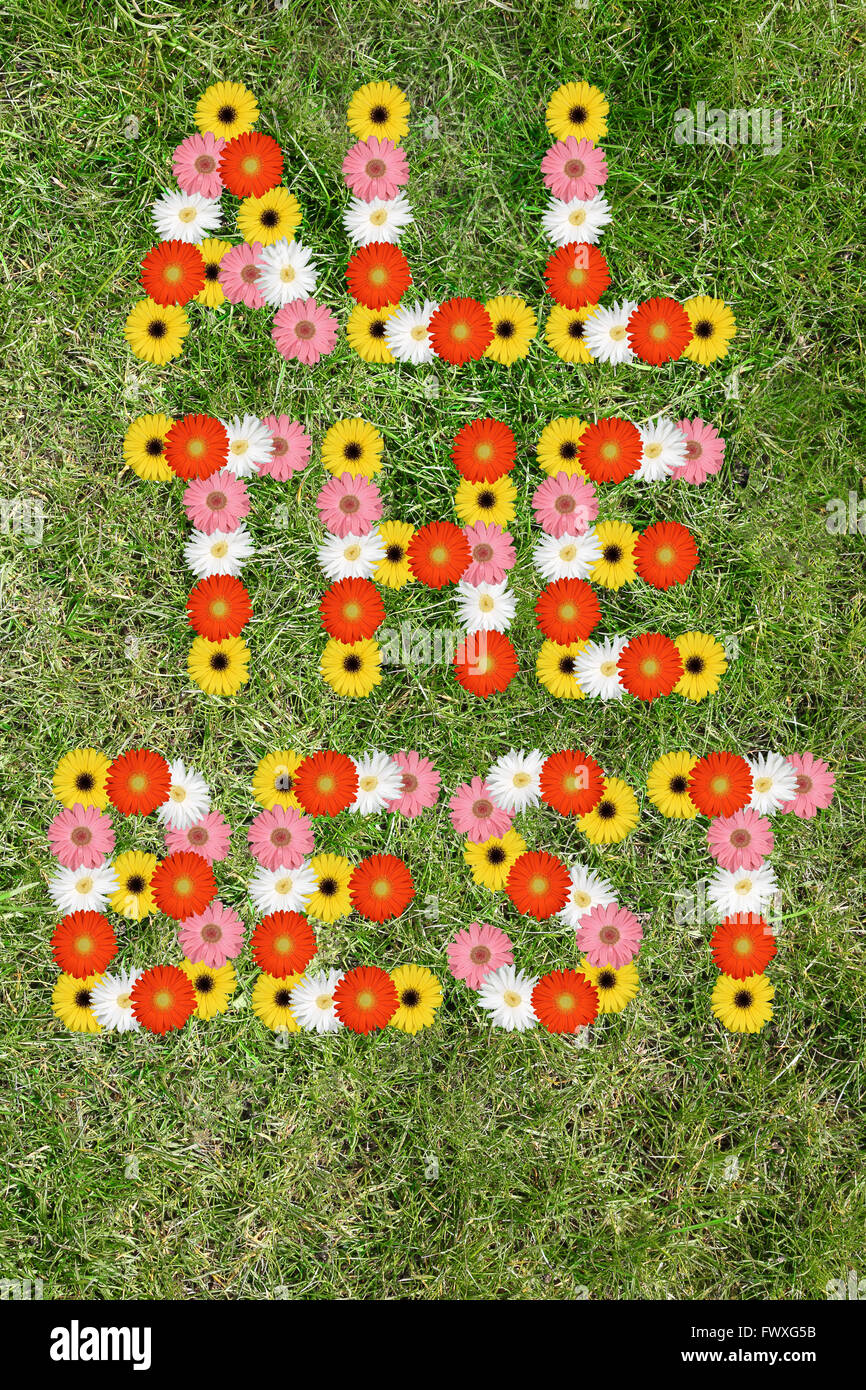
438 554
172 272
183 884
665 554
326 783
378 274
483 451
485 663
381 887
196 446
743 945
219 607
365 999
567 611
283 944
720 784
83 944
138 782
460 330
564 1001
610 450
538 884
658 330
576 275
650 665
351 610
162 998
251 164
571 782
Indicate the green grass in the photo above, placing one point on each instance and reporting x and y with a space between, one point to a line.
265 1172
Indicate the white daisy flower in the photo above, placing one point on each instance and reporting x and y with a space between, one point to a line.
596 669
222 552
313 1002
380 780
250 445
188 798
351 557
407 333
588 890
282 889
83 890
506 993
111 1003
287 272
570 556
186 217
383 219
741 890
664 449
485 607
514 780
576 220
774 781
605 333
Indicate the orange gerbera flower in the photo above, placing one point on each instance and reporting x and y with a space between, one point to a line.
219 607
183 884
83 944
162 998
381 887
378 274
610 450
538 884
351 610
665 554
283 944
365 999
720 784
196 446
571 782
743 945
564 1001
438 554
172 272
460 330
485 663
650 665
138 782
577 274
658 330
251 164
567 610
483 451
326 783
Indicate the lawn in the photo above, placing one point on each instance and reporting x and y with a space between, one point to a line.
666 1158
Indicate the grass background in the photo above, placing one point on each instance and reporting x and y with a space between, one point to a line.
216 1164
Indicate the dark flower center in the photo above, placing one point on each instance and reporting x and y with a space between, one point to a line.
219 661
283 998
135 884
613 554
379 115
486 499
744 999
352 663
352 451
212 270
679 785
305 330
197 835
575 328
410 998
568 449
328 887
496 855
270 217
156 328
566 665
395 554
283 783
607 810
695 665
227 115
606 980
505 328
577 115
82 998
203 984
154 447
85 781
377 328
703 329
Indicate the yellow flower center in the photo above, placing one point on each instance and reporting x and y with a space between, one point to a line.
186 215
324 1001
283 885
239 446
287 274
512 999
163 999
123 1001
84 885
418 333
352 552
608 669
763 784
521 779
577 217
653 451
84 945
369 784
743 886
485 604
743 945
178 794
219 549
618 332
379 217
568 553
581 899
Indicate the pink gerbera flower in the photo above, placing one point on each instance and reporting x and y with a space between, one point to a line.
196 164
741 841
304 330
217 503
280 836
81 837
815 783
292 447
375 169
609 935
477 950
239 274
705 451
420 784
348 504
574 168
492 553
475 813
208 837
212 937
565 503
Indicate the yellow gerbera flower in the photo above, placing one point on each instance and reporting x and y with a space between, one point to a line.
144 448
155 332
615 815
491 862
564 333
558 444
331 899
420 995
514 327
743 1006
226 109
79 779
353 446
270 218
714 326
489 502
577 109
704 662
393 570
616 566
365 332
378 109
133 897
70 1001
351 668
616 988
555 667
219 668
274 779
213 985
212 249
271 999
667 785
